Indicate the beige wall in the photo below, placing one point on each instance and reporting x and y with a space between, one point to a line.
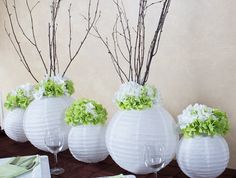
196 62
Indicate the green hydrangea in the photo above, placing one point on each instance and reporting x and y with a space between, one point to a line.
54 86
20 98
216 124
85 112
132 96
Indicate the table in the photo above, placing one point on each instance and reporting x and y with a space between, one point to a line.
76 169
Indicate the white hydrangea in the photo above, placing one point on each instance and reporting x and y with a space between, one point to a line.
193 112
157 99
128 89
90 109
39 94
58 79
134 89
27 88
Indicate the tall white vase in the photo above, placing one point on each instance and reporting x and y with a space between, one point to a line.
45 114
87 143
203 157
129 131
13 125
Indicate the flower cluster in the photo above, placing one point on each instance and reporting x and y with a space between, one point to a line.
202 120
53 86
86 112
131 95
20 97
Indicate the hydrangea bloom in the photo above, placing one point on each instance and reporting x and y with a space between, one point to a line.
200 119
86 112
131 95
90 108
20 97
193 112
53 86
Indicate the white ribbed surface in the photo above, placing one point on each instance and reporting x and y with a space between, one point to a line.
203 157
87 143
129 131
13 125
46 114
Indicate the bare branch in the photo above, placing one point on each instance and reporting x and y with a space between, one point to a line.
35 44
136 57
50 50
17 45
70 35
90 25
34 6
153 4
116 65
13 44
156 39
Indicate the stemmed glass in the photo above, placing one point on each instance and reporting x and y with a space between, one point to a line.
154 157
54 140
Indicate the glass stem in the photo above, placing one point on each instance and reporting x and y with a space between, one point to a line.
56 161
155 174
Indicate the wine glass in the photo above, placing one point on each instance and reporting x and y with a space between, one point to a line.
154 157
54 140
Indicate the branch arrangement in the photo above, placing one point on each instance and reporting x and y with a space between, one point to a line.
134 51
53 68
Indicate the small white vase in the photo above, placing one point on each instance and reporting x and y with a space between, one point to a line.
129 131
87 143
45 114
13 125
203 157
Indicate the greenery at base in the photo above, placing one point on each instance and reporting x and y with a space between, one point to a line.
52 88
146 98
18 100
217 124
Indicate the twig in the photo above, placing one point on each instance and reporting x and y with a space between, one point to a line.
35 44
70 35
19 50
89 27
136 57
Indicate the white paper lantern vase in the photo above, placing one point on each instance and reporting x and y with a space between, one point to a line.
87 143
13 125
203 157
129 131
45 114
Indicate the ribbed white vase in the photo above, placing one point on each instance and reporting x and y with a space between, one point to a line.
87 143
203 157
45 114
13 125
129 131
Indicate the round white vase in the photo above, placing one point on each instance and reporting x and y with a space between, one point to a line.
130 131
13 125
87 143
203 157
45 114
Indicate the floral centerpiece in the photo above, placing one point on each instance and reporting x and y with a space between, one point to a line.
202 142
86 139
139 103
202 120
133 96
53 86
16 102
52 96
86 112
20 97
